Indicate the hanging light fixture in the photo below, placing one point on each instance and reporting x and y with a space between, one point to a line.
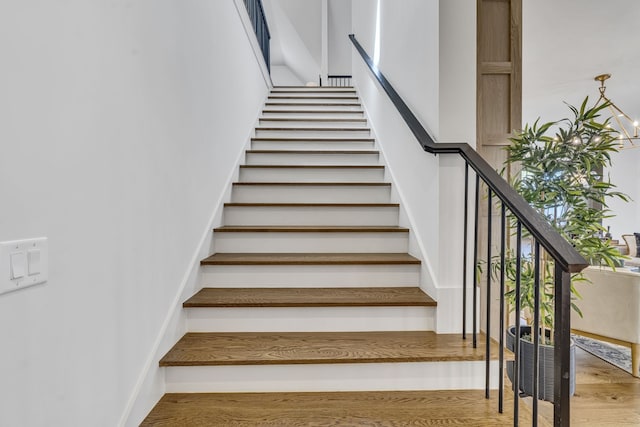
626 126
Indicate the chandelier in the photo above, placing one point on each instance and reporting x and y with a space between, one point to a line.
626 126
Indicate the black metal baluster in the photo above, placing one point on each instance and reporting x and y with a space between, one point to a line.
516 343
562 340
536 329
465 268
475 263
503 239
487 333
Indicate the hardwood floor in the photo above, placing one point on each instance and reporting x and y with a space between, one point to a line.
404 408
605 396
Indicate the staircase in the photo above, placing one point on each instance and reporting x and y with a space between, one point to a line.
310 287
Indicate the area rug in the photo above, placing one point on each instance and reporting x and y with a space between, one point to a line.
617 355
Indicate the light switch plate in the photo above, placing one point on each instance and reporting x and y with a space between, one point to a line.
35 270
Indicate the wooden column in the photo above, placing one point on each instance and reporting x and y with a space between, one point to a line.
499 107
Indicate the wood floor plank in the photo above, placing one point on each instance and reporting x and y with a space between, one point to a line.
353 409
310 297
277 348
309 259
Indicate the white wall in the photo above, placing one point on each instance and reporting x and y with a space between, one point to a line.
122 122
625 175
408 34
427 51
339 28
409 60
292 54
457 123
282 75
305 17
587 37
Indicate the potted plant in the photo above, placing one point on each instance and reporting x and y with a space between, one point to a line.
562 177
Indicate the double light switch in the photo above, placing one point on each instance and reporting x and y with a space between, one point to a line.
23 263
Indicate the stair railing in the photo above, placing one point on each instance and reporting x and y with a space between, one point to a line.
339 80
566 260
259 22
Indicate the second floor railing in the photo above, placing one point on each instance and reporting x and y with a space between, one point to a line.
339 80
524 219
259 22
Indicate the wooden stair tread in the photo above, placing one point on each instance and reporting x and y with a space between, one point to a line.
311 166
310 229
363 408
309 259
312 112
311 97
310 297
316 104
311 87
311 119
312 129
313 152
314 139
280 89
312 205
279 348
315 184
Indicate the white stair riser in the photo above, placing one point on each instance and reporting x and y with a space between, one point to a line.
310 194
325 133
289 99
310 319
320 242
311 175
306 89
319 114
315 94
312 145
351 124
314 215
313 276
281 105
336 377
310 159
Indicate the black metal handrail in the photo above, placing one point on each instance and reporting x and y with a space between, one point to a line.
566 259
259 22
